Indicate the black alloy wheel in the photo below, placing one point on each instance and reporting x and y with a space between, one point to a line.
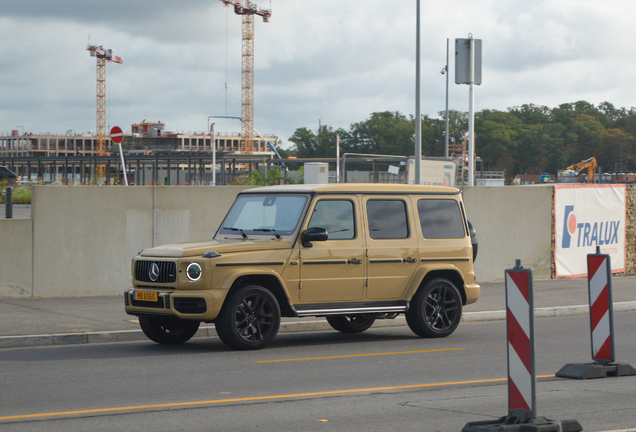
435 310
166 330
351 323
250 318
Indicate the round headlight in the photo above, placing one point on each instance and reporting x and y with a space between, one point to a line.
194 272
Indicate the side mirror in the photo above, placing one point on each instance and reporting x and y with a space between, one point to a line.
312 235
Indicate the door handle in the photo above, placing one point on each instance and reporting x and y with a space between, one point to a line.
355 261
410 260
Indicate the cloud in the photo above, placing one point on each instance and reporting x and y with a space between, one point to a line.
330 60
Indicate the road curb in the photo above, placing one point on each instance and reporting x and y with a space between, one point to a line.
286 327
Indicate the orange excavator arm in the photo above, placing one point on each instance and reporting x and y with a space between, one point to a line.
591 166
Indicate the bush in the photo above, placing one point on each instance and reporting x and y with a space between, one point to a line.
21 195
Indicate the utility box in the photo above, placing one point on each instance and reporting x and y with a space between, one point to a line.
433 171
316 173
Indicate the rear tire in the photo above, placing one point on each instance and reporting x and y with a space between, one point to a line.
350 323
166 330
250 318
436 309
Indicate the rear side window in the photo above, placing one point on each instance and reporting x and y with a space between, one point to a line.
387 219
440 219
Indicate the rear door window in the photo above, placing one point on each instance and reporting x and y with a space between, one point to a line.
440 219
387 219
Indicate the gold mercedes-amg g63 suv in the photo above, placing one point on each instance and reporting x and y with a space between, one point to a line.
352 253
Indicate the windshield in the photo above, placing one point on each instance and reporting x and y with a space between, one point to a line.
264 215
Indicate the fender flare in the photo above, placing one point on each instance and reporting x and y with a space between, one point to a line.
422 272
228 280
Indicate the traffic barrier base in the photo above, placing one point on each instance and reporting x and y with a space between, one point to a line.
595 370
512 424
521 367
599 270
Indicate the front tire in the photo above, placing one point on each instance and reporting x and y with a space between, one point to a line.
350 323
166 330
435 309
250 318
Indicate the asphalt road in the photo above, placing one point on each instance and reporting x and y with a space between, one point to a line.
383 379
20 211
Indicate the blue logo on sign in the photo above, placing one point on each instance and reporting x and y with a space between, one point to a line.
589 233
567 234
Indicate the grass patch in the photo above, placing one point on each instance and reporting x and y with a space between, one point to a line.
21 195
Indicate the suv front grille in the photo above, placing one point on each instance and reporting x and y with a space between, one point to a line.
167 271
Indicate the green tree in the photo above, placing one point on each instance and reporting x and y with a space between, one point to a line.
589 133
496 140
617 150
387 132
305 143
567 113
531 114
308 144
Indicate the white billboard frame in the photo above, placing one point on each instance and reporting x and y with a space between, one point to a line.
601 209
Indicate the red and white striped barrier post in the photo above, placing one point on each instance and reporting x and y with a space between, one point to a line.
522 400
520 326
599 282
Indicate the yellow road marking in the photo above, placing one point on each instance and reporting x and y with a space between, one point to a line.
255 398
358 355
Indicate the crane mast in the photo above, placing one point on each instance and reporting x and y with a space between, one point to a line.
103 55
248 10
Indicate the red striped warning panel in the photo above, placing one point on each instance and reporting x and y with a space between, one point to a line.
601 314
520 323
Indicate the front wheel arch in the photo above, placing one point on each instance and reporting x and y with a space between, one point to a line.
271 283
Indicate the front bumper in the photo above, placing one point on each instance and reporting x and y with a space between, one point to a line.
191 304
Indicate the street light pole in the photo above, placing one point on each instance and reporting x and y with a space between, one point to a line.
446 142
418 116
471 110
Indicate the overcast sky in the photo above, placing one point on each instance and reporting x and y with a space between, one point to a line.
333 60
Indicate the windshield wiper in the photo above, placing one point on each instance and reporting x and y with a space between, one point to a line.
236 229
268 230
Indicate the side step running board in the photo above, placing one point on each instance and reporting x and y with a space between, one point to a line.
350 311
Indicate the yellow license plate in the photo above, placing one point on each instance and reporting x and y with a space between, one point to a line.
146 296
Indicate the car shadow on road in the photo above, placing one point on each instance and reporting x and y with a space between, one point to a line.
198 346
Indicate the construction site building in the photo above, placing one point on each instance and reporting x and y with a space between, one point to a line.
153 140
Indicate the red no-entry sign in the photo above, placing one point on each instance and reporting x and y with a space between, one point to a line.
116 134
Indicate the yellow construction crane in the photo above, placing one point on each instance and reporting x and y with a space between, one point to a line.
248 10
103 55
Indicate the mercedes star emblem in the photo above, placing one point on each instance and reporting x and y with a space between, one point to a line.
153 273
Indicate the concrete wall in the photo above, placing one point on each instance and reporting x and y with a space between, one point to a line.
511 223
16 257
81 239
85 236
